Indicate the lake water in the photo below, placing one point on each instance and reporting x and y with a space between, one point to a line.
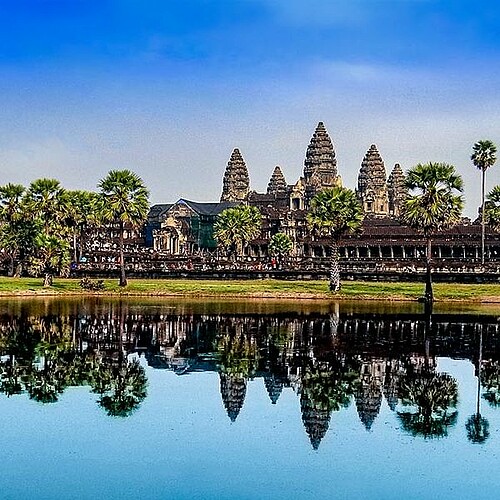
162 399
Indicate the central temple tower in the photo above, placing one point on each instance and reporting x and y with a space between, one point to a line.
320 165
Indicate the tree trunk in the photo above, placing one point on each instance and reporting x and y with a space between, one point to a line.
11 266
429 296
482 214
75 256
479 367
19 270
47 280
334 267
123 278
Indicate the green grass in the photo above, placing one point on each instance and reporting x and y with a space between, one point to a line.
259 288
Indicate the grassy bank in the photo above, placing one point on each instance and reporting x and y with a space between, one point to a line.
258 288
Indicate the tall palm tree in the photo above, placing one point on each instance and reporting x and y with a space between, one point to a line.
124 201
81 213
483 156
335 212
432 205
492 208
236 226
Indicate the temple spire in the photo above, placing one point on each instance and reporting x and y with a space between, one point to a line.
320 165
397 190
236 182
372 184
277 183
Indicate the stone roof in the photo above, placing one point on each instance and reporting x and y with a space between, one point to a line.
207 208
156 212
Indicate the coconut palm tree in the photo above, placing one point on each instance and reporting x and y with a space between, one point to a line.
236 226
124 200
432 205
334 213
280 245
492 208
483 156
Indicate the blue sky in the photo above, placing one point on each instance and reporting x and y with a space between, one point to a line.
168 88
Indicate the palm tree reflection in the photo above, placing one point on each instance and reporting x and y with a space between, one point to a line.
327 386
432 396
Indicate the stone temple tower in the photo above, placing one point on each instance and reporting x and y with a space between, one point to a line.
397 191
236 182
277 183
320 165
372 184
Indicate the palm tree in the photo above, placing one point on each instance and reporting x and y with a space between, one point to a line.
236 226
335 212
81 213
432 205
52 257
124 201
280 245
10 199
17 232
45 200
492 208
483 157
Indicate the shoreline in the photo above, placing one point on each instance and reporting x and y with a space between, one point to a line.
255 290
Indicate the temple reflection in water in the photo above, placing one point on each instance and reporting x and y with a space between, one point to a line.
329 360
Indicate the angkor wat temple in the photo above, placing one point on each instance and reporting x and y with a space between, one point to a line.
180 235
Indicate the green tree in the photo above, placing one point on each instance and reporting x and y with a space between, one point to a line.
237 226
17 232
334 213
492 208
124 201
52 257
45 199
432 206
82 212
280 246
483 156
10 200
45 203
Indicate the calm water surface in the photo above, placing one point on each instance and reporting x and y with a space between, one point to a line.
179 399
